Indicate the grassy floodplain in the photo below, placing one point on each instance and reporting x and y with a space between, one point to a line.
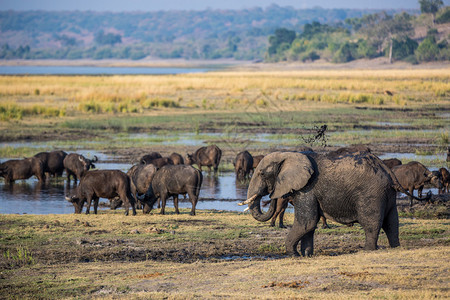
220 254
359 106
208 256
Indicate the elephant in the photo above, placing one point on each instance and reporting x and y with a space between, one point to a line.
345 187
243 164
282 204
173 180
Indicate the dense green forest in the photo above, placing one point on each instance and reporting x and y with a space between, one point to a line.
273 34
412 38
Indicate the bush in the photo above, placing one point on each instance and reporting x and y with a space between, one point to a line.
444 17
428 50
403 48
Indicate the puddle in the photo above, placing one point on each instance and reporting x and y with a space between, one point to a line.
413 156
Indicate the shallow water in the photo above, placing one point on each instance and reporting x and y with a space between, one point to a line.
30 197
88 70
219 193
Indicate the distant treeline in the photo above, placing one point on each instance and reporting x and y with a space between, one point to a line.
250 34
370 36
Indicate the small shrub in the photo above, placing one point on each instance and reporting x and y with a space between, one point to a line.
261 102
20 258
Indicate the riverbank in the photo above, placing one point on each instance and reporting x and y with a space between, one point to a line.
235 65
215 253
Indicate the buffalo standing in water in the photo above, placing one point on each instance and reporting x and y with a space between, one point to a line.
77 165
16 169
243 165
205 156
53 162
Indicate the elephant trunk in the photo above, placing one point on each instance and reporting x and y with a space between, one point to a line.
255 208
256 190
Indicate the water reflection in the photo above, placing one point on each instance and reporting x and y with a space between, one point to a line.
34 198
30 197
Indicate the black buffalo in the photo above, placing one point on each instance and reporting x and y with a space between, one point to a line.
414 175
146 159
16 169
392 162
243 165
102 184
53 162
173 180
77 165
205 156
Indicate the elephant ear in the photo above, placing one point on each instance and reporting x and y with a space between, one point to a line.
295 171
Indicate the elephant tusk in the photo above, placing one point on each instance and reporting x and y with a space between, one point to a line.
246 209
68 199
249 200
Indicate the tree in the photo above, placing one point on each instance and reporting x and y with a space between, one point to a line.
382 28
107 39
282 36
428 50
430 7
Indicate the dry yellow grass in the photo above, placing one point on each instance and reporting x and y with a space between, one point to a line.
216 90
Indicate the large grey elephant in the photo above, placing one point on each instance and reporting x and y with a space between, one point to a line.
345 187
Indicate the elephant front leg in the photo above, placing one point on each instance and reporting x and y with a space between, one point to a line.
305 222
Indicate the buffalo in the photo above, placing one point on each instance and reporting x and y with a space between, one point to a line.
392 162
256 160
415 175
16 169
173 180
146 159
102 184
243 164
77 165
140 179
176 158
445 175
206 156
53 162
160 162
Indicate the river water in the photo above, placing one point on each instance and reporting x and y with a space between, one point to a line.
88 70
30 197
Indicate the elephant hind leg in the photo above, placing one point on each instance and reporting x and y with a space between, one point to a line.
372 230
390 227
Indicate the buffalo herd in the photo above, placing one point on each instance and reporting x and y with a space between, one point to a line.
156 178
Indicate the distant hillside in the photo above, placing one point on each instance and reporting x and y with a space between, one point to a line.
210 34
